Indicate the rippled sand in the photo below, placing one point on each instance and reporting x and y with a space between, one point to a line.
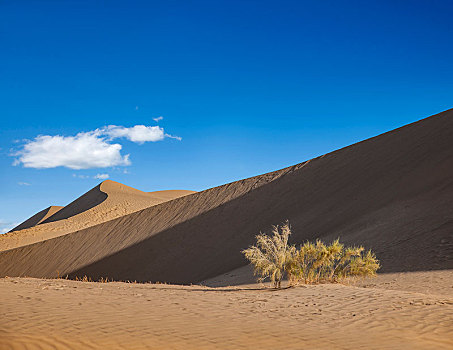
63 314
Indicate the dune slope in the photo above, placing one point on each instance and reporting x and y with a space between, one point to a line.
393 193
38 218
104 202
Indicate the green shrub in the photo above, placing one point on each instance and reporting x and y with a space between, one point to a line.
316 262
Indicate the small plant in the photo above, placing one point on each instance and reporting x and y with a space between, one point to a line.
89 279
312 263
83 279
272 256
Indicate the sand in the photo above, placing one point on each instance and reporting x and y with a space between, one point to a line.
62 314
107 201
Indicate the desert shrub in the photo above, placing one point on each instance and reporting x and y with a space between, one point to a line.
272 256
317 262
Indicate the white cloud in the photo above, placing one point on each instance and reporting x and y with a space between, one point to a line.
83 151
6 226
23 183
138 133
92 149
101 176
158 119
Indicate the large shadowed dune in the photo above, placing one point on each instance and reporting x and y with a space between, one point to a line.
392 193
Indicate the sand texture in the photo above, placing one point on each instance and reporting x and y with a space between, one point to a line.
62 314
392 193
107 201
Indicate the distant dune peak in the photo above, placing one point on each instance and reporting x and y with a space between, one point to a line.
106 201
38 218
113 186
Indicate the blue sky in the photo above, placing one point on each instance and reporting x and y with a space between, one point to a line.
248 86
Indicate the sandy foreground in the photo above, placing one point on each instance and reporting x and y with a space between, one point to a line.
392 311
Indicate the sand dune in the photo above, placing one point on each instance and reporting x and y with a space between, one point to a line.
38 218
105 202
393 193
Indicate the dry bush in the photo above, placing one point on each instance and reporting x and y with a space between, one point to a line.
271 256
316 262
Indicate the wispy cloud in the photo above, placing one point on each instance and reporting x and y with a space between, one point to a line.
92 149
158 119
80 176
101 176
173 137
23 183
6 226
97 176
